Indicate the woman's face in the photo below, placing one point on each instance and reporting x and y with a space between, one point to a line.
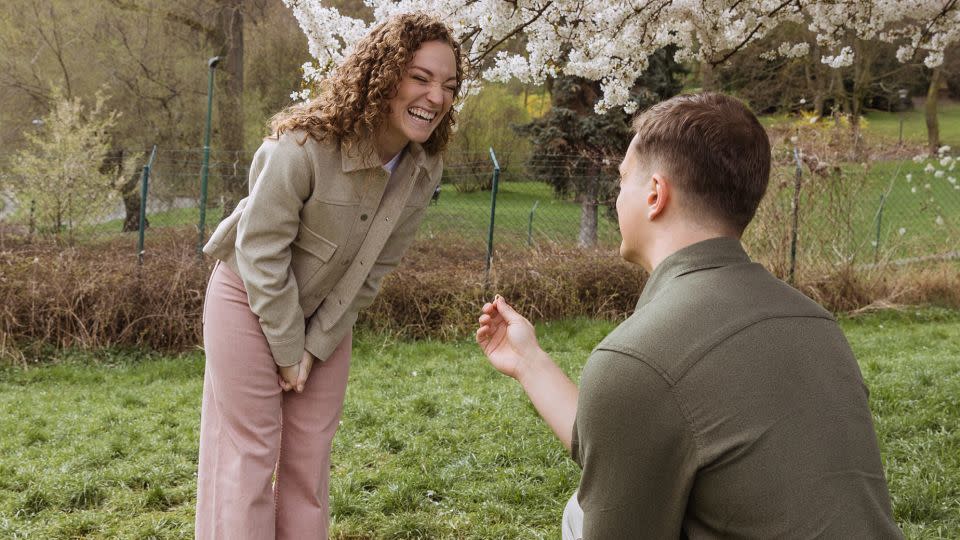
424 96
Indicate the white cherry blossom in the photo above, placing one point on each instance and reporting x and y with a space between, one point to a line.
610 40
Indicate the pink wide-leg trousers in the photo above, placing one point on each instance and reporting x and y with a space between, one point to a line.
250 430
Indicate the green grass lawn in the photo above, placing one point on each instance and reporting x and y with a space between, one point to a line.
920 214
434 443
461 217
466 217
920 217
887 125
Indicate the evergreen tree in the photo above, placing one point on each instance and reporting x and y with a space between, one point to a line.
577 151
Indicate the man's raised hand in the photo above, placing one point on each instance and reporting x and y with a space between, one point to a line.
506 337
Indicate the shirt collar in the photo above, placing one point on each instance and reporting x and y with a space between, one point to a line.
364 156
712 253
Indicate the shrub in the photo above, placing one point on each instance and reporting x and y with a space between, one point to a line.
60 183
99 296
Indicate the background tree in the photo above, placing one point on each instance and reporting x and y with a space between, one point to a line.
487 121
611 42
60 183
150 57
576 150
775 83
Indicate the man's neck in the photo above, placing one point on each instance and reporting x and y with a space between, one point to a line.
667 244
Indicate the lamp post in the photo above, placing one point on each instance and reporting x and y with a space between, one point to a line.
903 106
212 64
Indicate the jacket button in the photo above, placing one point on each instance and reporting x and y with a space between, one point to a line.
363 217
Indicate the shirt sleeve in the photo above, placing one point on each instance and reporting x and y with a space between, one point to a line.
281 180
636 449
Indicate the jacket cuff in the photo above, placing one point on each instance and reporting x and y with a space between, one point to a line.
320 343
287 353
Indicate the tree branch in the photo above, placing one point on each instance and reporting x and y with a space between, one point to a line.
512 33
171 16
752 33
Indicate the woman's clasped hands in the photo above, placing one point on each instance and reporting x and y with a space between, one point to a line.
295 377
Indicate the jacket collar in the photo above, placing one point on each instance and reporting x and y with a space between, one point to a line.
364 156
712 253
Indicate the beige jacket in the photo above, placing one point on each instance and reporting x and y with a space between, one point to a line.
317 233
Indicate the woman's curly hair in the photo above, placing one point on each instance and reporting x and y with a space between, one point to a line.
354 102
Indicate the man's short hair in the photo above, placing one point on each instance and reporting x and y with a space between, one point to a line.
713 148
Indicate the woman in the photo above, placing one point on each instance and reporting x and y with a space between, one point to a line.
336 195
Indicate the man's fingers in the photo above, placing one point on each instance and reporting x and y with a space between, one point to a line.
505 311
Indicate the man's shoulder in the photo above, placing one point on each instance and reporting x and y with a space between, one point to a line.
696 311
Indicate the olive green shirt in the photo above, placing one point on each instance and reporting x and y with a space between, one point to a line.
727 405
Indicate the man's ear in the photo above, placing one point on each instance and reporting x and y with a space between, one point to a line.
659 196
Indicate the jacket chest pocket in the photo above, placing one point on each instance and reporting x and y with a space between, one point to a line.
310 252
335 221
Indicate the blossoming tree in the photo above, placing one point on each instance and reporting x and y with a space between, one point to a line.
610 41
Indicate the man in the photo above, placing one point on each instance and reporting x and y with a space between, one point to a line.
728 404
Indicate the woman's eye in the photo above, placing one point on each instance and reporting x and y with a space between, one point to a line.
450 89
419 78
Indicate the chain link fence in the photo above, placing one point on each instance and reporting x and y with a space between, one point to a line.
893 212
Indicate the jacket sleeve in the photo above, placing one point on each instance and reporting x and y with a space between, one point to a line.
281 180
321 344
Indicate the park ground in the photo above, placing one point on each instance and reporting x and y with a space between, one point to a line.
433 443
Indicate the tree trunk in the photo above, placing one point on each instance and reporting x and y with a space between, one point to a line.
856 133
131 203
862 79
817 81
840 93
818 103
588 221
708 79
930 111
126 186
232 161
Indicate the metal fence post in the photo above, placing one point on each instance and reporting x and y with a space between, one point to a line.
876 243
493 211
530 224
201 227
145 180
795 209
33 221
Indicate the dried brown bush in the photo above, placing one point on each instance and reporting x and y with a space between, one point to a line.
439 292
98 296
